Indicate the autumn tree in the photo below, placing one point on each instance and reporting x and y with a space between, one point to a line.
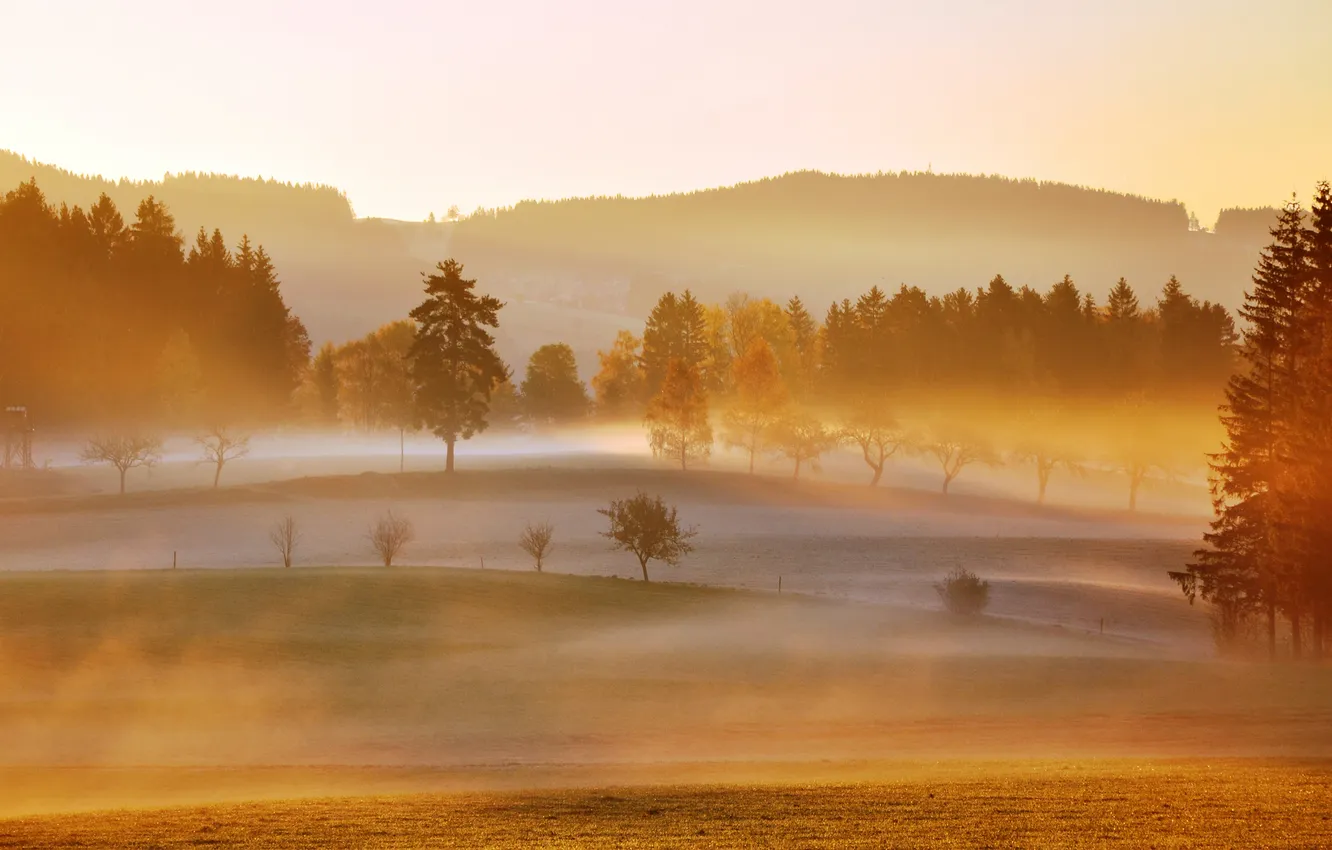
677 417
649 528
454 364
552 392
620 385
760 397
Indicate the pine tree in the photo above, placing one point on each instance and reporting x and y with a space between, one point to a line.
552 392
1123 303
1246 562
675 330
454 363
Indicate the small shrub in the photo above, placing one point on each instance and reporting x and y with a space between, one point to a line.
285 536
963 592
388 535
535 541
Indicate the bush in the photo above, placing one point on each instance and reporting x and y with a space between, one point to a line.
963 593
388 535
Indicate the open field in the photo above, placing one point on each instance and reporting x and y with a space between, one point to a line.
341 704
1150 804
1078 568
109 673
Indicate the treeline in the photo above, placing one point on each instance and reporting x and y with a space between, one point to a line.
828 236
1268 556
233 204
996 339
103 320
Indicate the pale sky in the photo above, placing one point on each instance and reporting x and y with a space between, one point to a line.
412 106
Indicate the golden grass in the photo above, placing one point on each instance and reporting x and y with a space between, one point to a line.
1142 804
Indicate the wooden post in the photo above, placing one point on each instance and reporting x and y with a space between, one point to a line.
779 584
173 560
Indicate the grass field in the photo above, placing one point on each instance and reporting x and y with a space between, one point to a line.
1152 804
112 678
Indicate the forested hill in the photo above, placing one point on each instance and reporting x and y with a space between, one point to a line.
836 235
278 210
824 236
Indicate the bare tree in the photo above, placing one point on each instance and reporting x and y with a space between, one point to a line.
877 434
388 535
220 446
646 526
803 438
124 452
1046 459
535 541
956 452
285 536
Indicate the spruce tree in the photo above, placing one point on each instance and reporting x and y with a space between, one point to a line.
1246 563
454 363
675 330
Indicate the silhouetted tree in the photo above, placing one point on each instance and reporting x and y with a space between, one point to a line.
956 450
389 535
870 427
454 363
675 330
802 438
285 536
124 452
220 446
649 528
535 541
552 392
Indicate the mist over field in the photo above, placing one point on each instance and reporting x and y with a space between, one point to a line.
823 432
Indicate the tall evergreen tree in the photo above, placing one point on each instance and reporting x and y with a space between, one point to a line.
676 330
454 363
1246 563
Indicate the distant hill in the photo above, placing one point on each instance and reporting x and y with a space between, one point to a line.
575 263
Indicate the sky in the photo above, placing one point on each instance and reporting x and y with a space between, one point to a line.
413 106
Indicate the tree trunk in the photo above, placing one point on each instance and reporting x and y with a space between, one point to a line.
948 479
448 462
1271 631
1133 494
684 457
1317 649
751 461
878 473
642 562
1044 478
122 482
1296 635
217 476
796 476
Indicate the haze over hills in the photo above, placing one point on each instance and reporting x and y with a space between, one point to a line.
579 269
